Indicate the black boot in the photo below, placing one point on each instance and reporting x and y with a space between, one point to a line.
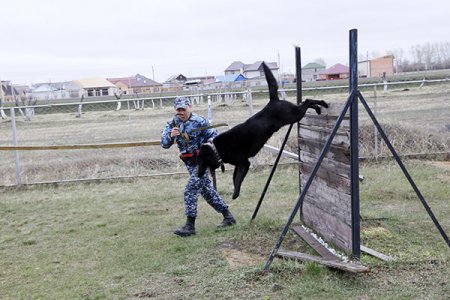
188 229
228 219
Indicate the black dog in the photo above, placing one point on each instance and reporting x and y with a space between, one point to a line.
245 140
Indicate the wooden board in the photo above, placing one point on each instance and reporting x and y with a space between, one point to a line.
329 227
345 266
327 205
321 249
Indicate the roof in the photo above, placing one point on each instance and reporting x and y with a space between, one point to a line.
93 82
235 65
144 81
230 78
336 69
130 80
258 65
314 66
135 81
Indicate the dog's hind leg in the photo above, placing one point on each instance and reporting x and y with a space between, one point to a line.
240 171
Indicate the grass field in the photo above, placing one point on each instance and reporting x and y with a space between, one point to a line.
114 240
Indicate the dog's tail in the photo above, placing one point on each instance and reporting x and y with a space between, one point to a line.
271 82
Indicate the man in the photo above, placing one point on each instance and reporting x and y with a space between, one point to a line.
180 131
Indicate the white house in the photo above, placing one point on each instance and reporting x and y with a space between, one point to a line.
91 87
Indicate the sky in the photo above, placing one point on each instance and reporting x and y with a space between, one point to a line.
54 40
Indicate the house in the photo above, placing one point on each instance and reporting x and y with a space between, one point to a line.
230 78
174 83
49 90
377 67
137 84
338 71
311 71
8 93
251 70
91 87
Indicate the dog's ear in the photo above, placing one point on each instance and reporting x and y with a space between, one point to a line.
204 159
202 162
271 82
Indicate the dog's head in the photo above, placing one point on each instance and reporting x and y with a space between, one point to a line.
208 158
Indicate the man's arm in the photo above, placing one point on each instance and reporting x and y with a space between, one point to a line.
166 138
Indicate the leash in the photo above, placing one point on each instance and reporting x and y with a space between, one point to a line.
208 127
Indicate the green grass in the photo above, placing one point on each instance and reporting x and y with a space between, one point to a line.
114 240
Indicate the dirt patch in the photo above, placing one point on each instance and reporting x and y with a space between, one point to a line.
237 258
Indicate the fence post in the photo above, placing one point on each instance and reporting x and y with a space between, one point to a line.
209 109
250 102
16 152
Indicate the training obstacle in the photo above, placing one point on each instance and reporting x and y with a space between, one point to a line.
338 222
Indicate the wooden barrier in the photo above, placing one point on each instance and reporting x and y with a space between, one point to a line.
327 206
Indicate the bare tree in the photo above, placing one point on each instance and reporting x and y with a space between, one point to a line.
28 102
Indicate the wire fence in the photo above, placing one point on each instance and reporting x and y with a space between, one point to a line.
415 114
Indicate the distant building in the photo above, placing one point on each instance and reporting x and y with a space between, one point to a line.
311 71
49 90
338 71
377 67
8 92
251 70
137 84
91 87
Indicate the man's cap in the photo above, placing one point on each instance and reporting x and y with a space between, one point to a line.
181 102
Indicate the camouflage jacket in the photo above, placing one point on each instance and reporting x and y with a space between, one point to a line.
187 141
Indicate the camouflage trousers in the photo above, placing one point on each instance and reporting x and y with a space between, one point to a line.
201 186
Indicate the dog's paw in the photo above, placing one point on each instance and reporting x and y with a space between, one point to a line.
318 110
235 195
324 104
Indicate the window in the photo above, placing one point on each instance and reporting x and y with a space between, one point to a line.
105 92
90 92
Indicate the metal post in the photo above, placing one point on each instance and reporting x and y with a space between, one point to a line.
263 194
354 154
298 73
16 152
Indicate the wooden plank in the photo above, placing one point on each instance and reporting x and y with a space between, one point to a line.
345 266
334 108
324 121
336 152
327 196
330 165
331 179
318 247
376 254
322 134
330 227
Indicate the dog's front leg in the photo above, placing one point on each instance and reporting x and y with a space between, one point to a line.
240 171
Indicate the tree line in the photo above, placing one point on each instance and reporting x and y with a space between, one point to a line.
429 56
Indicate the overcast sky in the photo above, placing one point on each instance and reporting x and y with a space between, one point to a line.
64 40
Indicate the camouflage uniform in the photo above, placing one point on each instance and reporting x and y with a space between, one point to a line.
195 185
